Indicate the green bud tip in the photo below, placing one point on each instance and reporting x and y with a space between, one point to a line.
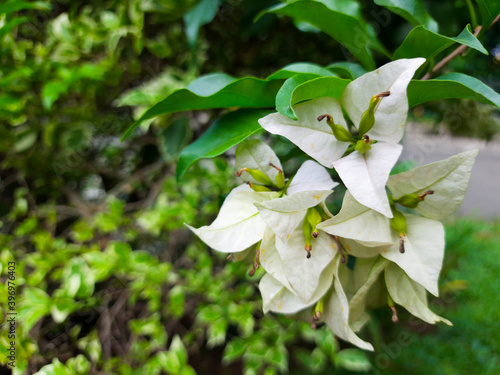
308 248
366 138
257 188
277 168
315 234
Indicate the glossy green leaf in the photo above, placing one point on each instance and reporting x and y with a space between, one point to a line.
299 89
489 11
300 67
347 69
214 91
335 20
224 133
421 42
200 15
452 85
411 10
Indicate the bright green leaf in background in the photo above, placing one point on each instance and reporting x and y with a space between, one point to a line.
300 67
411 10
214 91
451 85
224 133
421 42
347 69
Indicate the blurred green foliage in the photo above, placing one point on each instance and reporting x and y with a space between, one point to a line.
108 280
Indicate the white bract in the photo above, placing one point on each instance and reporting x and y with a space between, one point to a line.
364 172
396 256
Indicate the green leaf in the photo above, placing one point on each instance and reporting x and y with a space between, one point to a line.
214 91
421 42
296 91
349 30
34 304
200 15
347 69
224 133
411 10
489 11
353 360
300 67
452 85
15 6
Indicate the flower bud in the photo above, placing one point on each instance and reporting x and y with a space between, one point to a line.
398 223
280 177
412 200
255 187
306 228
256 174
368 118
314 218
363 145
341 133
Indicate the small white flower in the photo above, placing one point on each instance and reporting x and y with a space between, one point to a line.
364 173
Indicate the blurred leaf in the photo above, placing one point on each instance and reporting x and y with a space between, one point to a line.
34 304
300 88
339 23
200 15
234 350
489 11
411 10
9 26
224 133
51 92
451 85
421 42
214 91
353 360
16 5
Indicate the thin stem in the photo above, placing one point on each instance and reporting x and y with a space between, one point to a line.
472 11
450 57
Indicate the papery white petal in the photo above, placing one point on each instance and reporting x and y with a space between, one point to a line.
365 175
284 215
277 298
270 259
410 295
336 313
448 178
313 137
304 274
358 222
255 154
392 111
238 224
311 176
357 304
424 251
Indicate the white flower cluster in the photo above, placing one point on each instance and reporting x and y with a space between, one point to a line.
395 256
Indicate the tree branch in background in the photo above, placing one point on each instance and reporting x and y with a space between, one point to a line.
450 57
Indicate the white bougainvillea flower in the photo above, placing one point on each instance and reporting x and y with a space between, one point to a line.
244 215
238 224
412 296
364 173
310 186
336 313
304 277
371 234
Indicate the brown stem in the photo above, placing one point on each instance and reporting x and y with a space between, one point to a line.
451 56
